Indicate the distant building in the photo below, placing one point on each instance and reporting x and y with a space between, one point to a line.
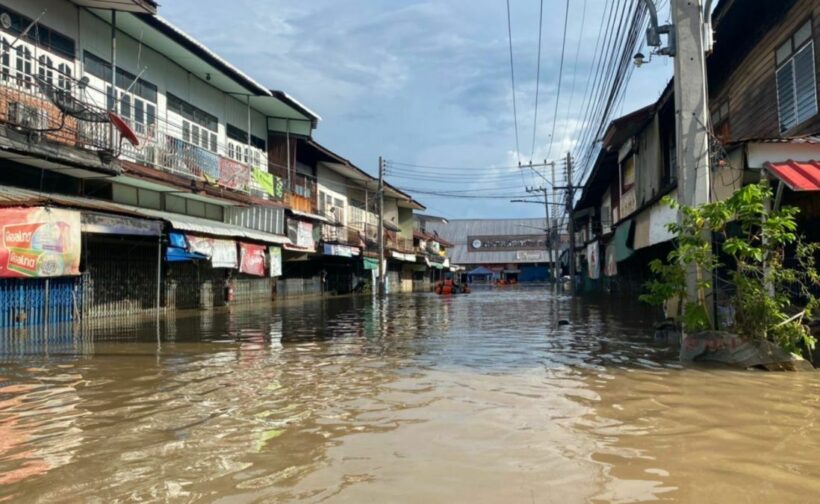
510 248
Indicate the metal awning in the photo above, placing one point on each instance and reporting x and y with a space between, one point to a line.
308 215
144 6
801 176
210 227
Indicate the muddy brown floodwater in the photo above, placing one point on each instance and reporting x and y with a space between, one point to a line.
481 398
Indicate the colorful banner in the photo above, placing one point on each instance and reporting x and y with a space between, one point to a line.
252 259
233 174
39 242
221 252
275 265
264 180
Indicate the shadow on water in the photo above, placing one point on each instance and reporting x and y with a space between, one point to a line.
414 398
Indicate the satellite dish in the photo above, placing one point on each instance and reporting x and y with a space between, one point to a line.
5 20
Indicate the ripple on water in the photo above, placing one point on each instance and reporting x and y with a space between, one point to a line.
481 398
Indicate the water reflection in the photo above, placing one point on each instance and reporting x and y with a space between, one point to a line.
480 398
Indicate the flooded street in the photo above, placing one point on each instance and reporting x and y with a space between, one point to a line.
481 398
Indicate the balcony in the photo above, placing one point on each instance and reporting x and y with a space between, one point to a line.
54 121
49 114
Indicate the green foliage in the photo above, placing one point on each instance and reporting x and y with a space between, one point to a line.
764 287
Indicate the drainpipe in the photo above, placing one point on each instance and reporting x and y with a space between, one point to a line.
287 150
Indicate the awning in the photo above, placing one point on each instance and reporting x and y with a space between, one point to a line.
391 227
797 175
621 241
370 263
211 227
308 215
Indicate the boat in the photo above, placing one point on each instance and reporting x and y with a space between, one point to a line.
448 287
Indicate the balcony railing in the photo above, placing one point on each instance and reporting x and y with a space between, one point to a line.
44 113
63 111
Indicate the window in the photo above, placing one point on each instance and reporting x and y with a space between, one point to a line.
43 36
192 113
101 69
24 74
796 79
45 70
175 204
720 122
124 194
196 208
628 173
64 77
6 59
125 105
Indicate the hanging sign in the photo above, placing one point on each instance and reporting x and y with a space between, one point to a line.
593 261
221 252
301 234
252 259
39 242
264 180
610 264
275 265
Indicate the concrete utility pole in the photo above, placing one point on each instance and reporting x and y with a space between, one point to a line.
547 227
571 223
692 111
381 227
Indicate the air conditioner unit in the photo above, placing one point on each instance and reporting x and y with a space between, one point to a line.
27 117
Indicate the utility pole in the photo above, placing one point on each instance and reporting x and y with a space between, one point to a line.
547 228
691 105
571 223
381 228
691 23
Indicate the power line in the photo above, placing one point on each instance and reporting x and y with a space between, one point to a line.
512 80
537 78
560 78
575 65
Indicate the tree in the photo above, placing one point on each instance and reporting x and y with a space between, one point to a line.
768 292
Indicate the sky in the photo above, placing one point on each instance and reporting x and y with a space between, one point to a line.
425 83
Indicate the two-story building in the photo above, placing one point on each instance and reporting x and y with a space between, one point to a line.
140 169
764 123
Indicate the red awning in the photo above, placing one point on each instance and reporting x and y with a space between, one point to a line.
798 175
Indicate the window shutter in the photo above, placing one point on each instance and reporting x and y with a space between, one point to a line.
805 85
785 96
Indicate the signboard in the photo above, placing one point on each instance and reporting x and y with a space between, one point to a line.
275 264
610 264
39 242
252 259
301 234
530 256
341 250
232 174
98 223
593 261
221 252
506 242
629 203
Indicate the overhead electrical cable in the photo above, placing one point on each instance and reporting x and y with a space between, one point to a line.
537 79
560 79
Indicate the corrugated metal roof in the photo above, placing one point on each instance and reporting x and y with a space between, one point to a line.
799 176
456 232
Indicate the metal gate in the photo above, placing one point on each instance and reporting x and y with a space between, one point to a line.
29 302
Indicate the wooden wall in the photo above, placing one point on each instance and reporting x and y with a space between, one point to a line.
750 86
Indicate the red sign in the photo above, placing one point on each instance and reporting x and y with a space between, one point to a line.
252 259
39 242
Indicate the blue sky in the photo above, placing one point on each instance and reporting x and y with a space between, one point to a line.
422 82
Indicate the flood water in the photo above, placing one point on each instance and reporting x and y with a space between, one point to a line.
482 398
